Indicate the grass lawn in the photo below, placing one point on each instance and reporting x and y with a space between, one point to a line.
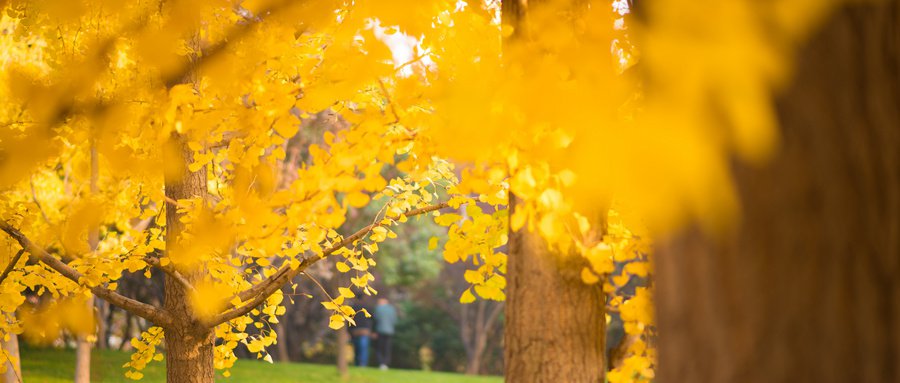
51 366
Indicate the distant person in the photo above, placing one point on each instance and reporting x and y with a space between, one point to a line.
385 320
360 335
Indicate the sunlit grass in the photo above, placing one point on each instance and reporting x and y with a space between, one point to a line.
52 366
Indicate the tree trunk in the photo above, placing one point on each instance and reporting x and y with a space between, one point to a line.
476 334
82 343
103 323
83 356
281 331
126 331
189 345
473 359
807 288
189 356
555 323
343 337
13 369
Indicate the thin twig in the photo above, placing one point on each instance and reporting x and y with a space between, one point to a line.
155 262
316 281
390 102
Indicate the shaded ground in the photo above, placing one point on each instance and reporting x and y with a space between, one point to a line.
52 366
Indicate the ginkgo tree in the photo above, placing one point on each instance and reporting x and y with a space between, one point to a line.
178 112
184 109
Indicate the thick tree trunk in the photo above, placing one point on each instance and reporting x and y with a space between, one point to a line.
807 288
189 356
189 345
555 323
13 370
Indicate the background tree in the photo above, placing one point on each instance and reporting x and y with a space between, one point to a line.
805 288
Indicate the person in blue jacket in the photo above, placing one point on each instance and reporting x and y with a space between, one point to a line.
385 316
360 335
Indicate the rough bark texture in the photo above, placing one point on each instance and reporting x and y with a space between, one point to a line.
189 345
555 323
189 356
807 288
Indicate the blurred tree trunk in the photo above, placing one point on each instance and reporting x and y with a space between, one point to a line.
555 324
126 331
13 370
83 357
477 322
281 330
104 323
807 287
343 337
83 343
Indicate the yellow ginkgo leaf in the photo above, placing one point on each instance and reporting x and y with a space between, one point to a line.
467 297
345 292
432 243
588 276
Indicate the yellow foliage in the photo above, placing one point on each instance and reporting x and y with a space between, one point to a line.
207 299
551 120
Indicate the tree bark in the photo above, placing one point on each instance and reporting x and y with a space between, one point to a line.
806 289
555 323
13 370
189 344
189 355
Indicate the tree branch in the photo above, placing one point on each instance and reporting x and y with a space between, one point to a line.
154 261
141 309
263 289
11 265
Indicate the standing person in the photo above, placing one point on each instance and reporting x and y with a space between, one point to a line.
360 335
385 319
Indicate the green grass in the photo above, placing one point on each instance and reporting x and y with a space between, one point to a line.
53 365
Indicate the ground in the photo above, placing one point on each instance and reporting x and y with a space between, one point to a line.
52 366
